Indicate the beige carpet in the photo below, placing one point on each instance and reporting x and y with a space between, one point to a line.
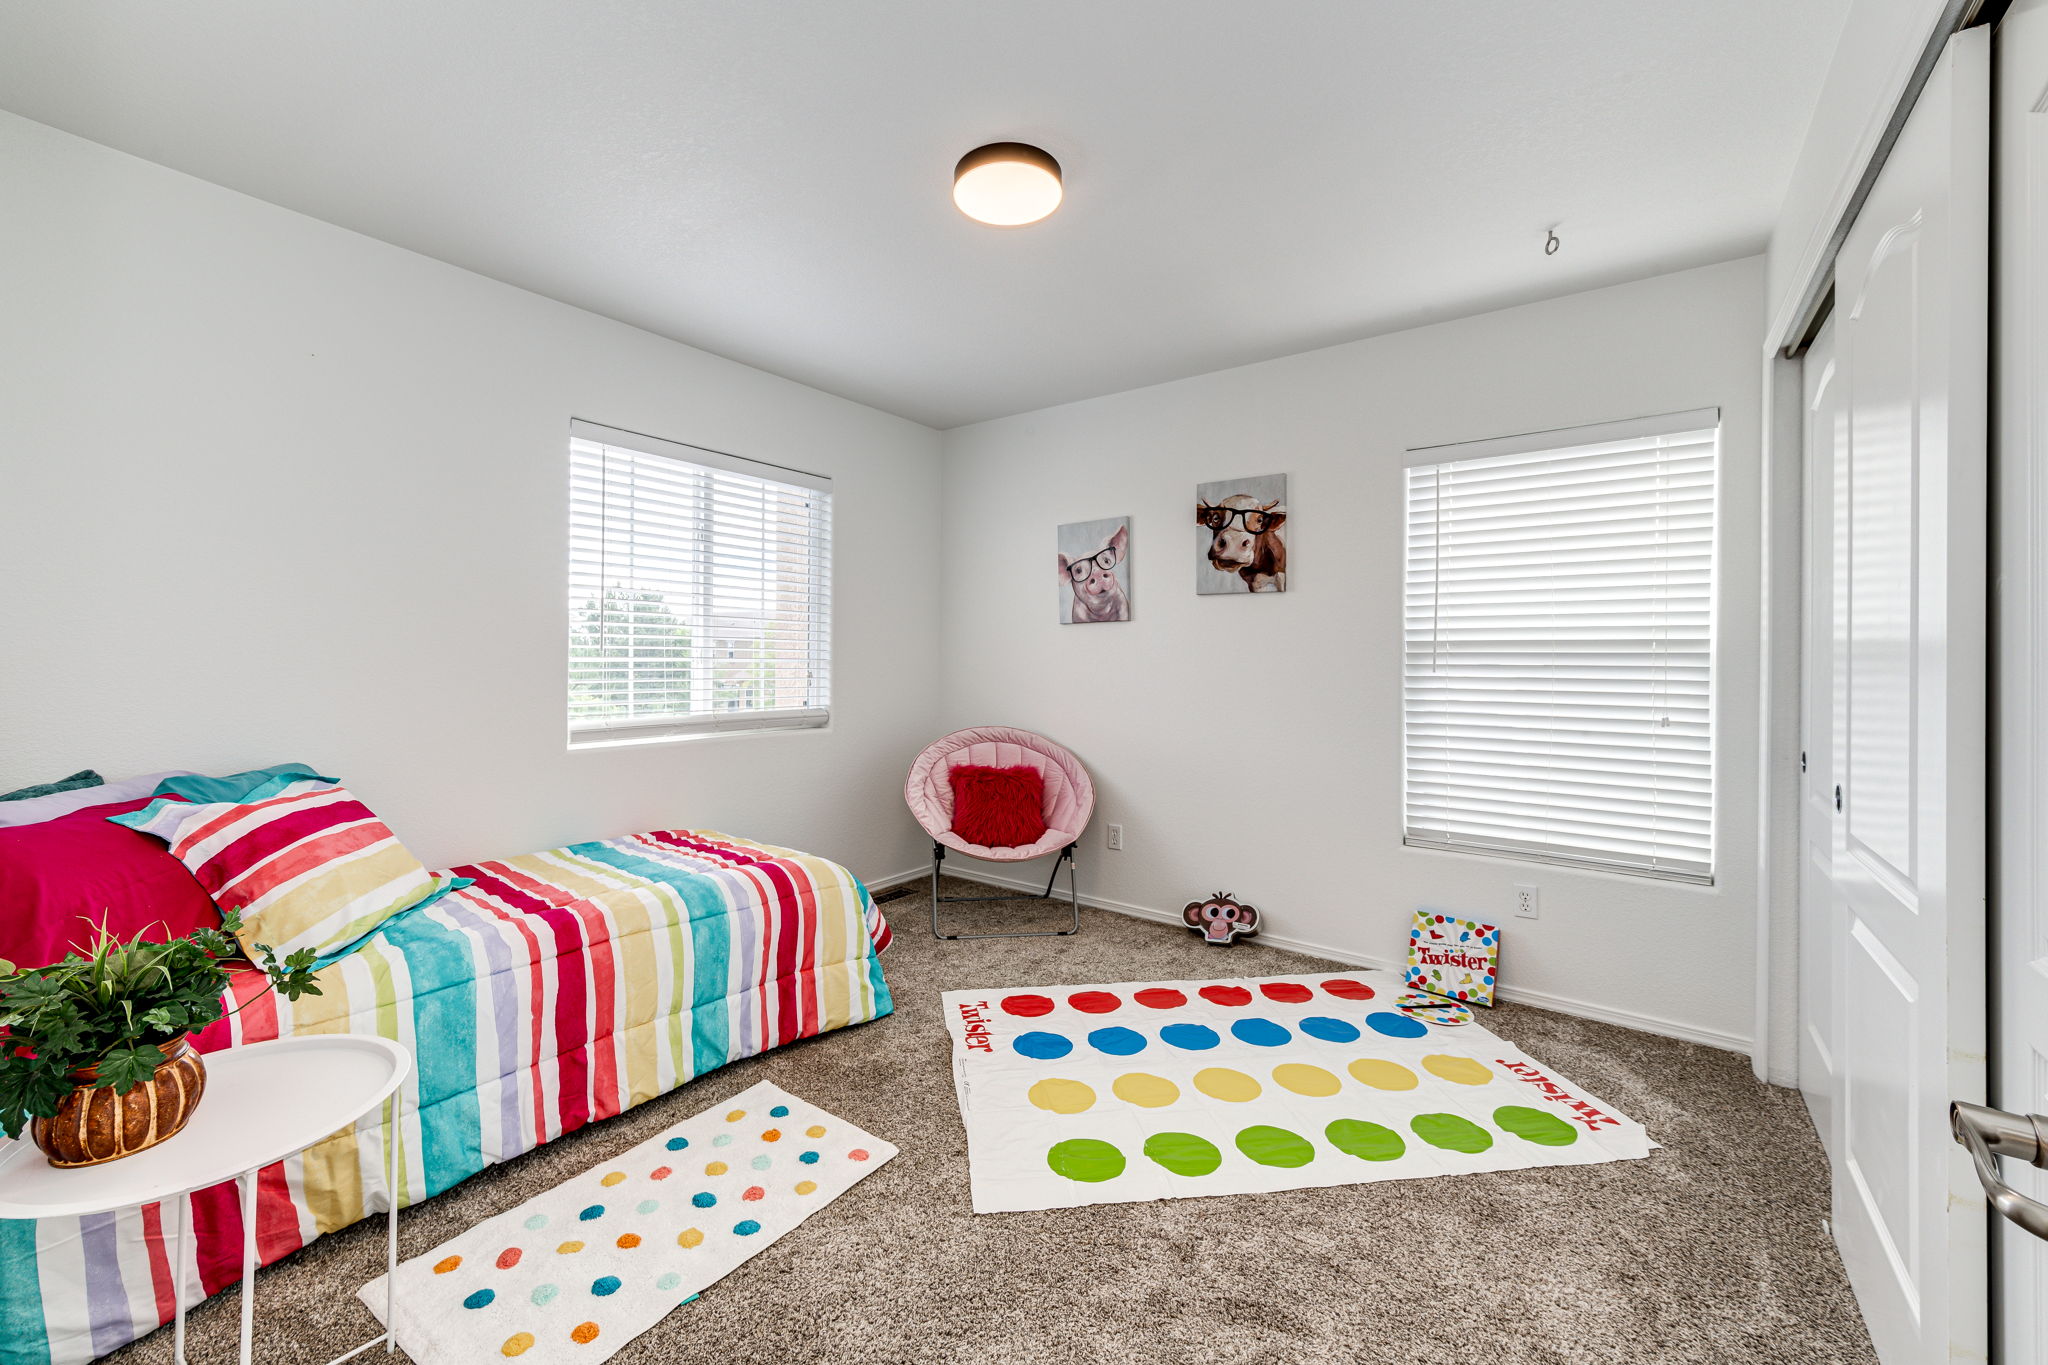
1710 1251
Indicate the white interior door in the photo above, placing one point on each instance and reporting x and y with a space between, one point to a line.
2020 1022
1906 750
1820 910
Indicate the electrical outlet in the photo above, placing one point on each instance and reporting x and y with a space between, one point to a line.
1116 838
1525 901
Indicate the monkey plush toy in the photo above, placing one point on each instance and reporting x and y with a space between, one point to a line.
1221 919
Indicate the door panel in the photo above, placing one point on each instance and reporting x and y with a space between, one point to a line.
1820 918
1901 885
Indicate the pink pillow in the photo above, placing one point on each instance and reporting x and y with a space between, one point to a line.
60 878
998 807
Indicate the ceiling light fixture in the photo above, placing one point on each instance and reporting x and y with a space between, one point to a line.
1007 184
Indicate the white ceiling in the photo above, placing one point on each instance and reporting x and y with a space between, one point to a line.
768 179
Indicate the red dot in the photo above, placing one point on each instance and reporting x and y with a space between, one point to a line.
1226 995
1160 998
1286 992
660 1173
1093 1002
1029 1006
754 1192
858 1154
508 1258
1344 988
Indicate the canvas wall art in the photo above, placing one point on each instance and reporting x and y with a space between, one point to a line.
1095 571
1240 535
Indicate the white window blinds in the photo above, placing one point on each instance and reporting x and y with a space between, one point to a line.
700 591
1559 637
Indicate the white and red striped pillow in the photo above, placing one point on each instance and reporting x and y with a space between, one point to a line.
306 864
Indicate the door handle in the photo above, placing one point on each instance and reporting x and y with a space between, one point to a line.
1988 1134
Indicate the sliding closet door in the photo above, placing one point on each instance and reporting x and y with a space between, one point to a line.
1820 909
1907 765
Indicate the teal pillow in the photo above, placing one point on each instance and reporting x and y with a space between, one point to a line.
84 778
233 788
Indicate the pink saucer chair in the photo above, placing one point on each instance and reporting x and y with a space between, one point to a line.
1069 801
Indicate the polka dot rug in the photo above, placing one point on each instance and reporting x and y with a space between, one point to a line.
576 1273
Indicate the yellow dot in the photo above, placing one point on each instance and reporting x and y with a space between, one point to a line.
735 1116
1382 1075
1304 1079
614 1178
689 1237
517 1345
1221 1083
1062 1097
715 1168
446 1264
569 1248
1462 1070
815 1130
806 1186
1152 1092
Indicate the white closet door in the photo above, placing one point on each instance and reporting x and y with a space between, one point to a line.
1909 521
1820 909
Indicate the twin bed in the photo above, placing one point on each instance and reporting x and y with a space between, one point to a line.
557 989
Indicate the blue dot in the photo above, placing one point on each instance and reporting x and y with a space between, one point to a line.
1190 1037
537 1222
677 1144
746 1228
1329 1030
1042 1046
607 1285
809 1158
647 1206
780 1111
1261 1032
668 1281
722 1140
594 1211
761 1162
543 1295
1396 1025
480 1298
1117 1042
704 1200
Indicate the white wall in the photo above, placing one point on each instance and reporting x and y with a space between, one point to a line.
273 490
1252 744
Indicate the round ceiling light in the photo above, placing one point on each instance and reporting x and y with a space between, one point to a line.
1007 184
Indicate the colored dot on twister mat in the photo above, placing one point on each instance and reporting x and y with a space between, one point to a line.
1366 1141
1260 1033
1085 1159
1461 1070
1344 988
1396 1025
1189 1037
1225 995
1183 1153
1221 1083
1160 998
1145 1090
1382 1075
1286 992
1117 1042
1060 1096
1328 1029
1534 1125
1304 1079
1270 1146
1451 1132
1094 1002
1027 1006
1043 1047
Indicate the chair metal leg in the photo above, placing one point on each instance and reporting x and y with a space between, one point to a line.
1073 896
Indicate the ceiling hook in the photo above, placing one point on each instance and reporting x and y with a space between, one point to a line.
1550 242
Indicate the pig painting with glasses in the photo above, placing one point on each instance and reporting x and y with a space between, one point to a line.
1239 542
1095 561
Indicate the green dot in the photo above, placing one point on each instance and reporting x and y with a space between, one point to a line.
1366 1141
1451 1133
1535 1125
1085 1159
1270 1146
1183 1153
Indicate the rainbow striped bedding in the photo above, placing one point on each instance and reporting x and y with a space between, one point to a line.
557 989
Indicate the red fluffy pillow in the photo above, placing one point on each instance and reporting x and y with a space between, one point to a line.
998 807
60 878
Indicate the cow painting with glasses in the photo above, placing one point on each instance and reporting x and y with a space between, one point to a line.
1239 545
1094 559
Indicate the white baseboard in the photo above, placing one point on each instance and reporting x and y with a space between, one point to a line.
1605 1014
896 879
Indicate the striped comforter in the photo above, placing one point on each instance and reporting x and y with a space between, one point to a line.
557 989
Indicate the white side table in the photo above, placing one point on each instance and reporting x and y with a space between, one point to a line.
263 1103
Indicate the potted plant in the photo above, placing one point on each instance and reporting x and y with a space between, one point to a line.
96 1061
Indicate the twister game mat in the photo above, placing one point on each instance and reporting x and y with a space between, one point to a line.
576 1273
1077 1095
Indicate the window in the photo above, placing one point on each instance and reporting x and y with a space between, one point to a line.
700 591
1558 673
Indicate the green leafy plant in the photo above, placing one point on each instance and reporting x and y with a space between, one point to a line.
112 1006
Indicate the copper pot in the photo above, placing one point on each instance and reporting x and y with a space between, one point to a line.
94 1125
